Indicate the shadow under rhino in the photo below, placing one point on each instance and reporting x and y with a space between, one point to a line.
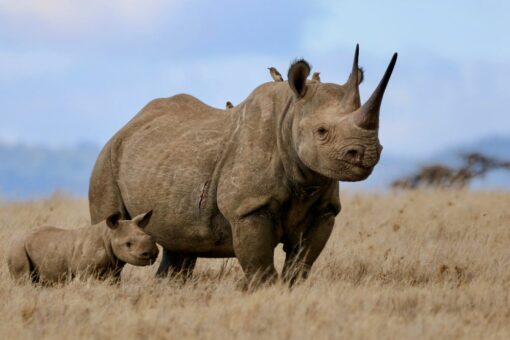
237 182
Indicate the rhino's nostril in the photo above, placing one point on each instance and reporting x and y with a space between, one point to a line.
145 254
352 153
355 154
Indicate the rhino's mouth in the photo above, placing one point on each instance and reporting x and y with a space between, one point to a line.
352 172
354 165
347 172
342 170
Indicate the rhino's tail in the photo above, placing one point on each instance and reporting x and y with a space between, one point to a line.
19 263
105 197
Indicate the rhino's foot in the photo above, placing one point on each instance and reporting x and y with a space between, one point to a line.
295 273
259 280
176 266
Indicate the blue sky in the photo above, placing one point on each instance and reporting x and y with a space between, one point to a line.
74 71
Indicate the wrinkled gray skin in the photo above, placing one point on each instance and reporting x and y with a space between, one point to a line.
50 254
237 182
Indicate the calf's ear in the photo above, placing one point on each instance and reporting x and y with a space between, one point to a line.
143 220
113 220
298 72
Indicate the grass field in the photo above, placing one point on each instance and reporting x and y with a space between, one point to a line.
424 264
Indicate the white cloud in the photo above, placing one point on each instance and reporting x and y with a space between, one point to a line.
72 17
468 29
99 91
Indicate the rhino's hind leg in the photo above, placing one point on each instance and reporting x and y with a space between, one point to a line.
104 194
176 265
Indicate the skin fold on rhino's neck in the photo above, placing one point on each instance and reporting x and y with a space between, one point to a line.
277 101
296 171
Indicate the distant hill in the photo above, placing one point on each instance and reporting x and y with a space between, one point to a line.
392 167
498 147
31 172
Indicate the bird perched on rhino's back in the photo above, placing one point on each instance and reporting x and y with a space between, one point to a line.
316 77
229 105
275 74
237 185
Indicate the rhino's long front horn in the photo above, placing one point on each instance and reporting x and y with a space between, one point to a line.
367 117
351 96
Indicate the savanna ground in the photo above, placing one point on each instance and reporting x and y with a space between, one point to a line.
423 264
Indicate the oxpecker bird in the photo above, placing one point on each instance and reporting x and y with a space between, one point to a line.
275 74
316 77
229 105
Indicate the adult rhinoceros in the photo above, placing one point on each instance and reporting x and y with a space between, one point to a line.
225 183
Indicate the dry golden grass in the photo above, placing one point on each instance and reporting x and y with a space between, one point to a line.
421 264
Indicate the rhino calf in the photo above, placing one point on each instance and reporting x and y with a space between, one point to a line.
50 254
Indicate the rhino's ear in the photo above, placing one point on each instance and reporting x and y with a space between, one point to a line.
143 220
298 72
113 220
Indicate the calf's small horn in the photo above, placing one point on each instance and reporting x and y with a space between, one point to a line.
367 116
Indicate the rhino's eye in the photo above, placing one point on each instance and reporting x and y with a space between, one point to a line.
322 132
128 244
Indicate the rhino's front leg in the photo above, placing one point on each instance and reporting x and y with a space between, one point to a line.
254 240
302 252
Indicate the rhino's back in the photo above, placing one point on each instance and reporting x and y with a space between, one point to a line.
164 160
